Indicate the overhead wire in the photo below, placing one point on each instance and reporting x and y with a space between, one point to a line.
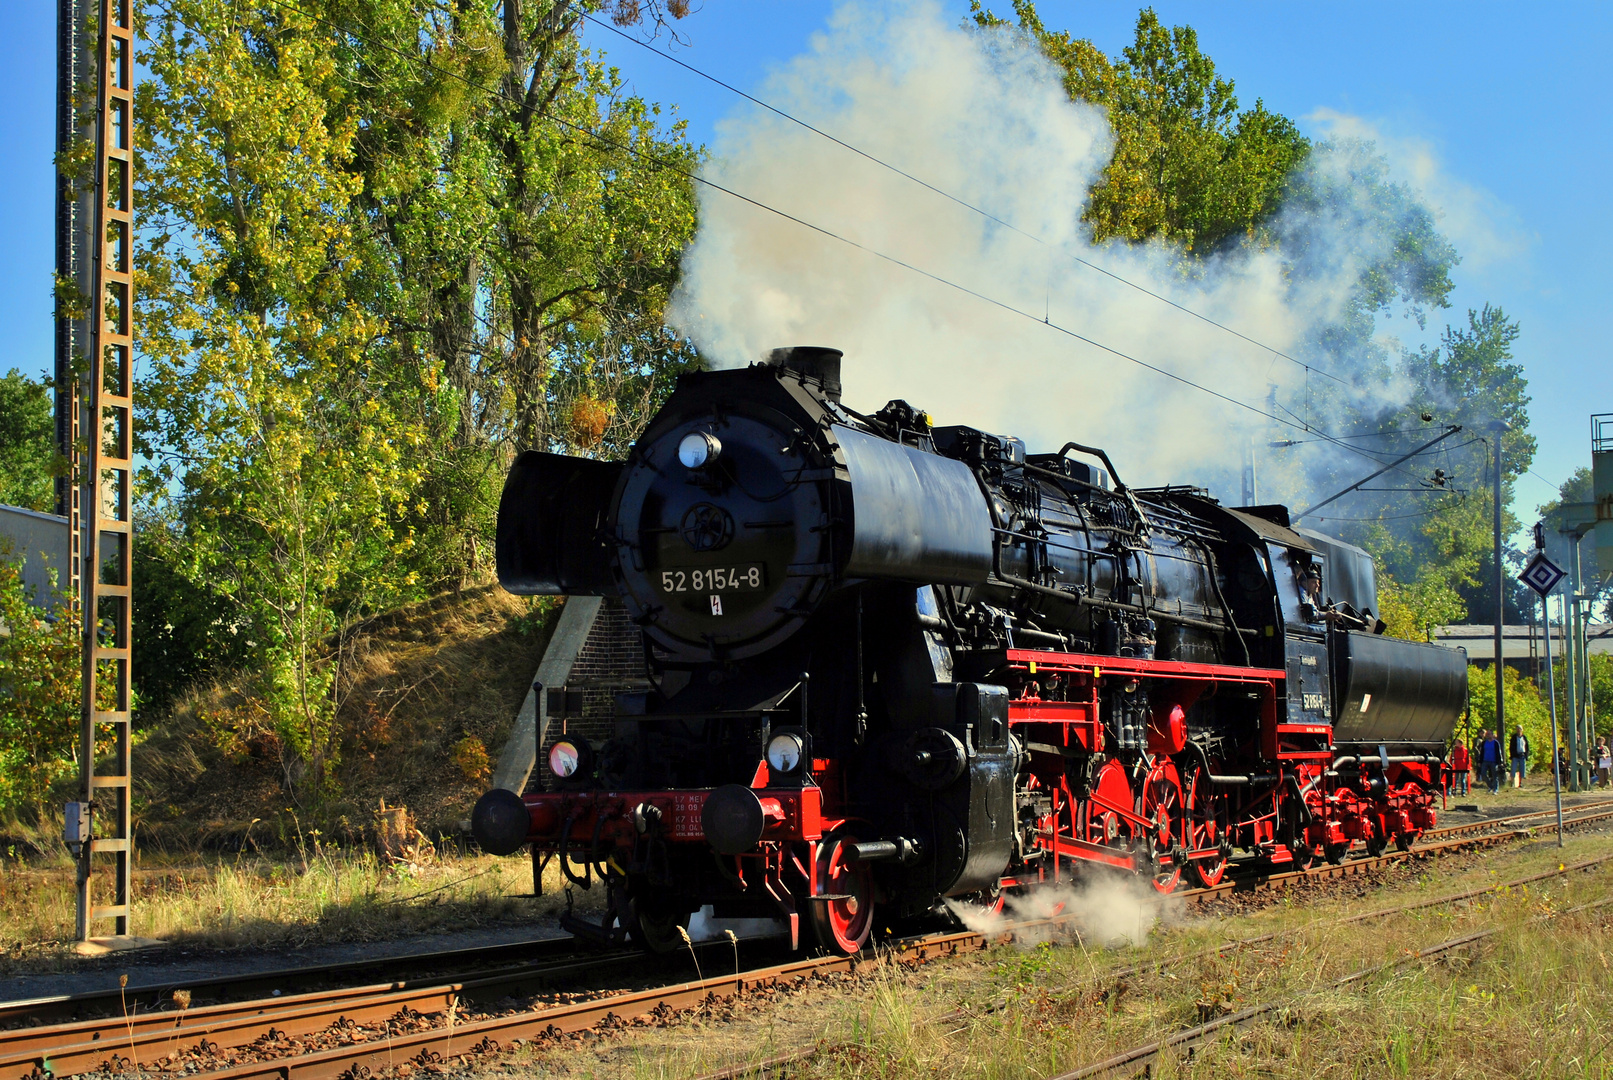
693 177
988 215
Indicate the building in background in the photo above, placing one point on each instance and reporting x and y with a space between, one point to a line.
40 541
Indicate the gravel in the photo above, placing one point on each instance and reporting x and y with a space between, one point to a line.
168 965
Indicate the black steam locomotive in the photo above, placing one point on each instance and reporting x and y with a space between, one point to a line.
893 662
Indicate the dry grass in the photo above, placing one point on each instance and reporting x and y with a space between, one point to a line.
428 694
1536 999
249 901
226 856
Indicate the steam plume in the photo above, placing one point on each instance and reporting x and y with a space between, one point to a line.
982 115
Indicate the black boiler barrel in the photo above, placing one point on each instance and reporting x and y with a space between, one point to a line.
915 516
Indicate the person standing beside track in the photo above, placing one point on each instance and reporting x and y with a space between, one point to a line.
1604 763
1490 761
1461 767
1520 756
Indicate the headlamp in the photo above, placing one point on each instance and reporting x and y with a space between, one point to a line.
784 752
569 758
697 449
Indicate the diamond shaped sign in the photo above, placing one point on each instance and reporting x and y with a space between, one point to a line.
1541 575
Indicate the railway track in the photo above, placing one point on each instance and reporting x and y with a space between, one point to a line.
1146 1053
349 1032
151 996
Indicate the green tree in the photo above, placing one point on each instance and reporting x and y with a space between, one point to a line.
1525 708
1188 165
269 408
28 457
395 244
1411 612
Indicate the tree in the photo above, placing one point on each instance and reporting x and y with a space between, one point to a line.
394 244
28 457
1525 708
269 408
1188 166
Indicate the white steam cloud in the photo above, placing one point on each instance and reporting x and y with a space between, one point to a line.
983 116
1101 908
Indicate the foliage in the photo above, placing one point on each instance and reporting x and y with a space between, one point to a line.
1525 708
470 754
39 694
1601 685
268 407
182 631
1188 166
28 459
1413 611
393 245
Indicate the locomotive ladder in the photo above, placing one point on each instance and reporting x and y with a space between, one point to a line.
97 428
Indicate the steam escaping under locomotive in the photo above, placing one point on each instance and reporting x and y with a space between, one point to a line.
893 663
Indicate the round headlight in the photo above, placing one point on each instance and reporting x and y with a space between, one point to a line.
565 758
698 449
784 752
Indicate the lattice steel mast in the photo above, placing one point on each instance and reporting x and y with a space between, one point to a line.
94 415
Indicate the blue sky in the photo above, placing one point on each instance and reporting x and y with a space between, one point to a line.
1500 112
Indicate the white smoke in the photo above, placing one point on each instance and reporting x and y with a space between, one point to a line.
983 116
1101 908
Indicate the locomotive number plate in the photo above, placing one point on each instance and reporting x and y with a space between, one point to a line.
715 579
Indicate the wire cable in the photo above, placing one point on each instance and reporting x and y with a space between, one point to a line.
988 215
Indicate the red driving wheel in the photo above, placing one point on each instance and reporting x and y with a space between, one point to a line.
844 920
1207 829
1161 803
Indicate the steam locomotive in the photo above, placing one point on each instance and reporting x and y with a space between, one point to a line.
893 662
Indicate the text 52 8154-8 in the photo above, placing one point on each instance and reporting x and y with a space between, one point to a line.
715 579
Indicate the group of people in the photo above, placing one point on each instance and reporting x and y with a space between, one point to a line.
1498 763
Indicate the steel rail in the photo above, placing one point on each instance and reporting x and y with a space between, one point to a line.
483 1036
1141 1054
1479 826
67 1049
249 986
1360 864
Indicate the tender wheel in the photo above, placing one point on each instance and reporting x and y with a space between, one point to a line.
1303 854
654 927
1377 843
1404 840
1335 853
842 924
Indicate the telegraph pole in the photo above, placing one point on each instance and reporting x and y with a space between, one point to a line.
1500 427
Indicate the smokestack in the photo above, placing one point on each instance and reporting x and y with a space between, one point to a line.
811 363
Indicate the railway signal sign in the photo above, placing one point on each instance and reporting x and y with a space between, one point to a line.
1542 575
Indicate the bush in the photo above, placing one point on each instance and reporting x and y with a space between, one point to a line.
1525 708
39 694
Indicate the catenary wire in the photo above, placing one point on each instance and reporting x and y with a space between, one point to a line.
988 215
829 233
